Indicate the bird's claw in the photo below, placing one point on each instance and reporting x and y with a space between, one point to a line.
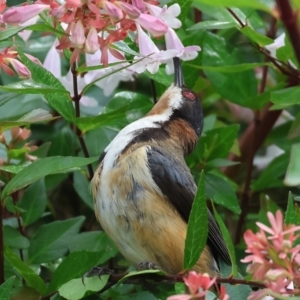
146 265
97 271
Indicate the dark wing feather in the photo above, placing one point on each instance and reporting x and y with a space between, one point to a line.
176 182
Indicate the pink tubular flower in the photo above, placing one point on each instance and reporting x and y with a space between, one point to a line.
92 43
152 24
20 69
129 9
77 35
21 14
112 10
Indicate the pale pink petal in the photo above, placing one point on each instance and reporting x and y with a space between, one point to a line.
155 26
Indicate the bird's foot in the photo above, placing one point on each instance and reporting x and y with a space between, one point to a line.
97 271
146 265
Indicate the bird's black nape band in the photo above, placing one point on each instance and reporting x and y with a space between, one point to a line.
178 75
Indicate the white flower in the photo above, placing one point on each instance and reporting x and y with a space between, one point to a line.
52 63
167 14
147 47
278 43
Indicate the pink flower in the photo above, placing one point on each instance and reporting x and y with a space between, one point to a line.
21 14
139 4
20 68
92 43
222 293
112 10
152 24
77 35
129 9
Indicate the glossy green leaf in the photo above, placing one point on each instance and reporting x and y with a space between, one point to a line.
33 202
294 131
14 169
31 87
51 240
9 32
238 87
31 278
286 97
290 215
256 37
197 228
228 241
219 163
94 241
75 289
43 167
88 123
256 4
230 69
45 28
75 265
272 175
221 192
212 24
292 176
161 77
82 187
14 239
138 273
6 287
61 102
35 116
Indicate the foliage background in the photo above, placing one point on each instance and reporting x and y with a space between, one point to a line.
249 150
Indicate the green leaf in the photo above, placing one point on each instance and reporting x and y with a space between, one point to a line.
295 128
43 167
35 116
256 4
75 265
232 68
256 37
285 98
88 123
75 289
221 192
82 187
271 176
59 101
51 240
238 87
161 77
31 87
45 28
292 176
33 202
219 163
213 24
234 291
94 241
197 229
228 241
14 239
32 279
6 287
7 33
13 169
290 215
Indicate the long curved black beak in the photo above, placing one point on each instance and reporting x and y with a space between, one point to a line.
178 76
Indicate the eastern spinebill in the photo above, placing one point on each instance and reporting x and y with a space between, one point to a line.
143 190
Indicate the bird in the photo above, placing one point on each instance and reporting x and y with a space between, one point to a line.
143 190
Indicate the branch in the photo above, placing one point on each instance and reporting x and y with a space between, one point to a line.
76 99
289 19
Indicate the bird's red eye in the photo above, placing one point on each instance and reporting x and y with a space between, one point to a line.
189 95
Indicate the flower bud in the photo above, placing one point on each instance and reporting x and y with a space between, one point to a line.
77 35
21 69
92 43
21 14
129 9
155 26
112 10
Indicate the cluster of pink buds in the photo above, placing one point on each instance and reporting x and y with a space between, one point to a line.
199 285
273 256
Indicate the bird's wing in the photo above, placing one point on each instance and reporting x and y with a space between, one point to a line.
179 187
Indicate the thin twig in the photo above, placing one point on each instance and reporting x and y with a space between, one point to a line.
76 99
236 17
290 21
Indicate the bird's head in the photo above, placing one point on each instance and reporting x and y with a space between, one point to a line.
179 113
179 102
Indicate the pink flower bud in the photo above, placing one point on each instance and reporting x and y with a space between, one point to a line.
21 14
21 69
129 9
139 4
77 35
58 11
113 10
155 26
33 59
92 43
